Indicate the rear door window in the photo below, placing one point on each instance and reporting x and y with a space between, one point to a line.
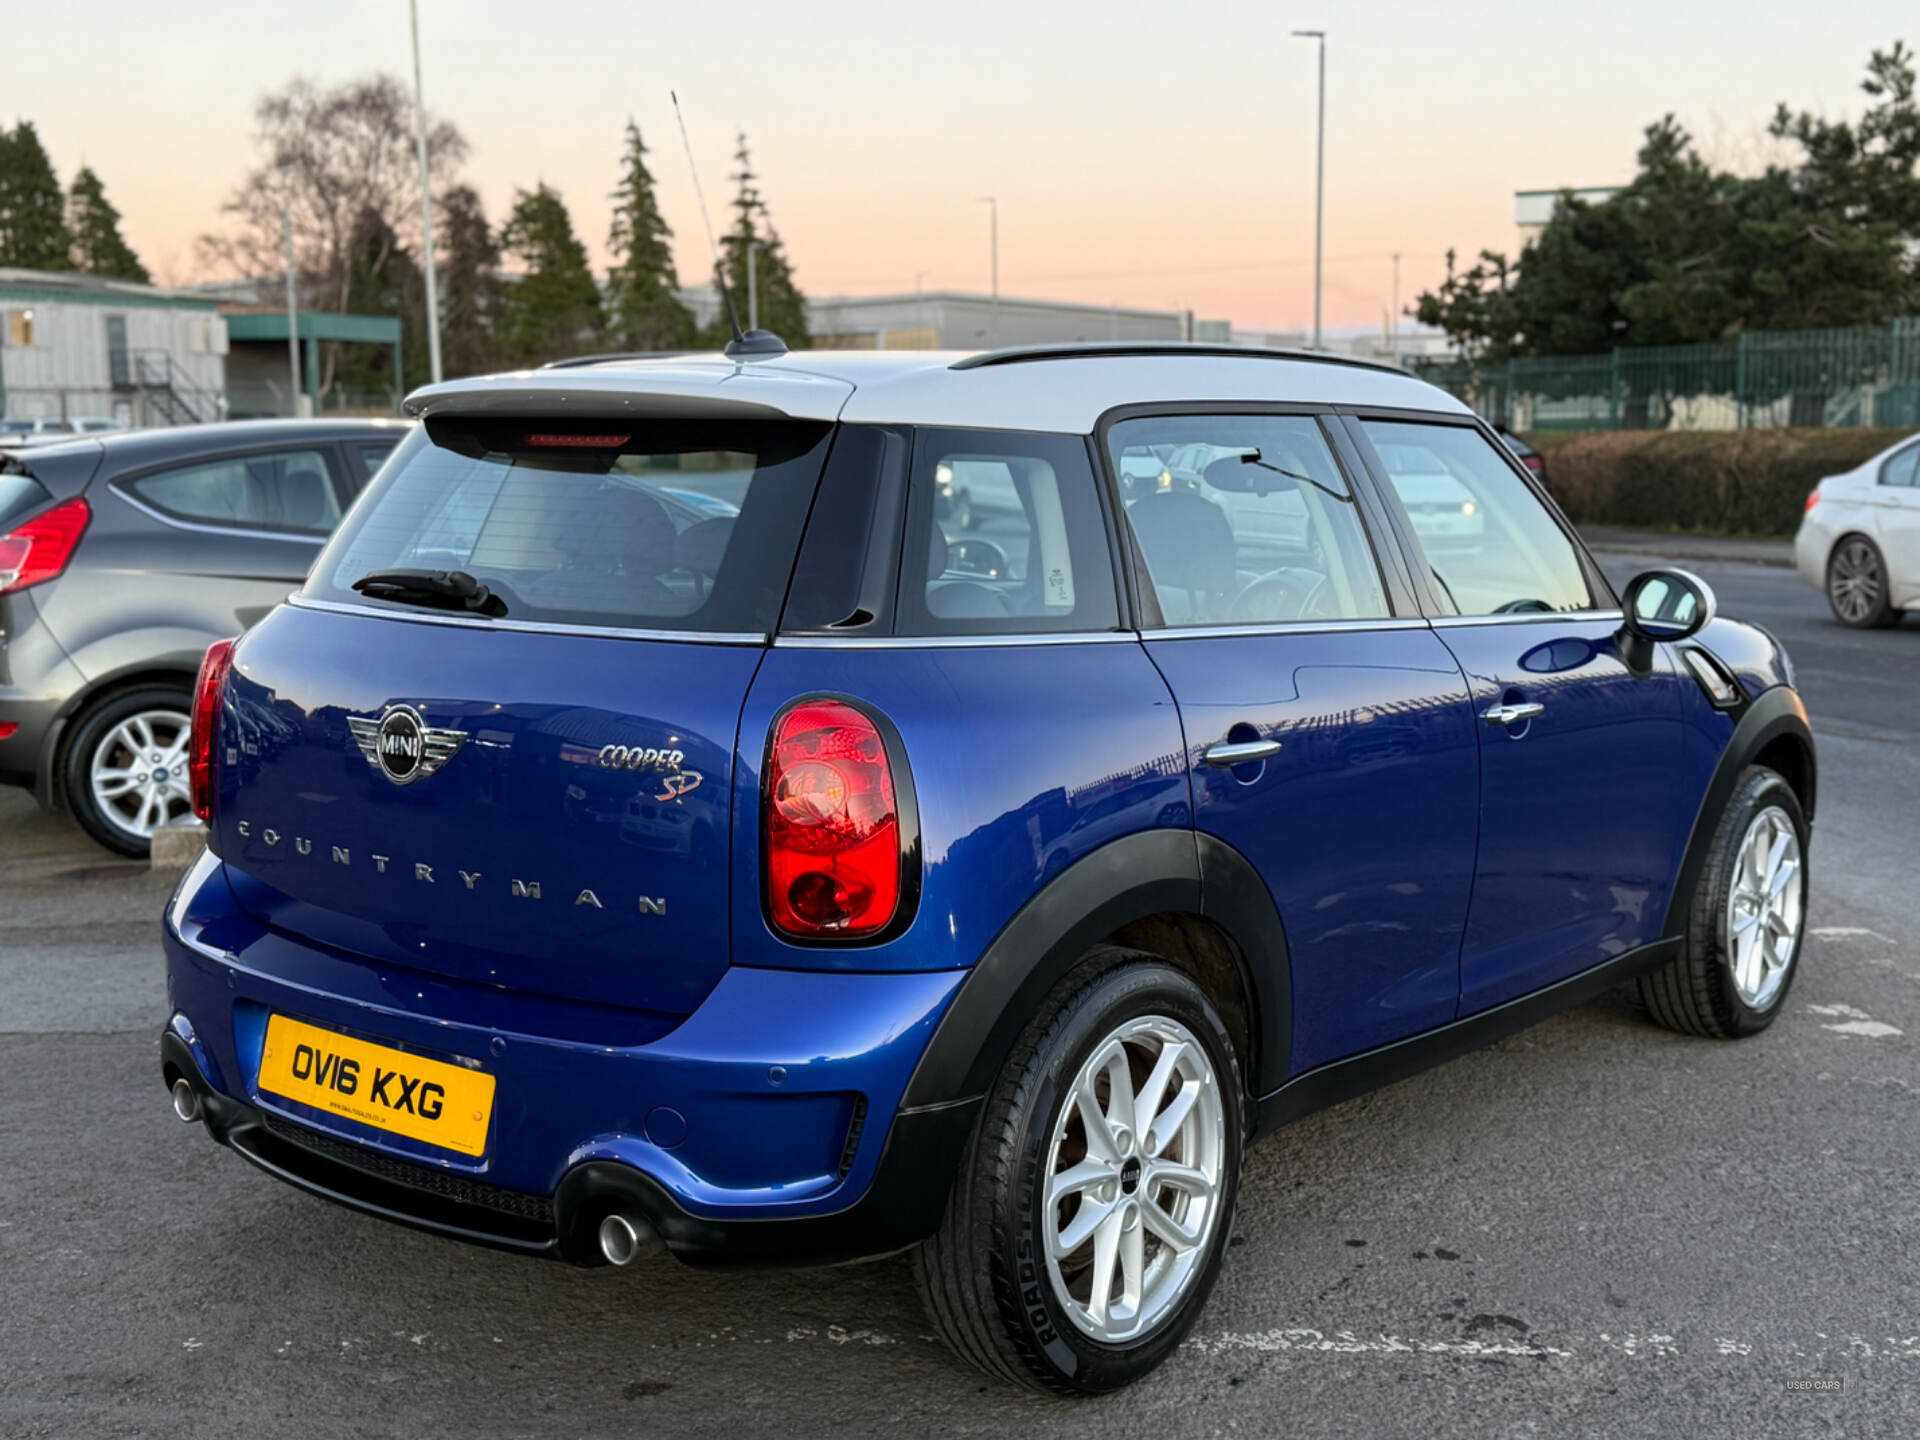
1490 545
368 457
672 526
1903 468
1004 537
269 490
1244 520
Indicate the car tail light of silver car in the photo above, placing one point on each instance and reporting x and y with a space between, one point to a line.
206 720
40 548
830 824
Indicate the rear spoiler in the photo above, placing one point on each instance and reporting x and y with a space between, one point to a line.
704 389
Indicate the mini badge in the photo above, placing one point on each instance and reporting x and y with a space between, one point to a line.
401 745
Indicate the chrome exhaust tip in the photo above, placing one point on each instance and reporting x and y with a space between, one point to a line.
628 1236
186 1101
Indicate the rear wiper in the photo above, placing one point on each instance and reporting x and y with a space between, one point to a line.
440 589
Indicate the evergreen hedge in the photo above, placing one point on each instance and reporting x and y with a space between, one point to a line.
1738 482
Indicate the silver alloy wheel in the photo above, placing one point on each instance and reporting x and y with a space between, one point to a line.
1134 1177
1766 904
138 772
1854 581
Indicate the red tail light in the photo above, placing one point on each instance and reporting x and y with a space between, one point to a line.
40 549
831 824
206 720
1535 463
1813 499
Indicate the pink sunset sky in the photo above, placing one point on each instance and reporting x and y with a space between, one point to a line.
1157 155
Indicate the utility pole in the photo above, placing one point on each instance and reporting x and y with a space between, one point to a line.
1396 307
753 286
293 301
1319 175
993 260
426 203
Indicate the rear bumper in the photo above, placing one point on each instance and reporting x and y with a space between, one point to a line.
765 1128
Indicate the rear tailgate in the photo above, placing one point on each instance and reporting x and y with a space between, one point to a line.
573 840
536 794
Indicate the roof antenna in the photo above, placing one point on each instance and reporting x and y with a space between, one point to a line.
746 344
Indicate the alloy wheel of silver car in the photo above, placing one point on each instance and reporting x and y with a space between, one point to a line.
1766 905
1854 582
138 772
1134 1173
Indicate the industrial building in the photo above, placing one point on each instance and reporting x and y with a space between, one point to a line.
79 347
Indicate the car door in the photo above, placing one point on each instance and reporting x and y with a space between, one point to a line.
1577 847
1328 733
234 532
1898 514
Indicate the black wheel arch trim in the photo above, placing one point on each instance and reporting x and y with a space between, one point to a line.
1773 715
1148 873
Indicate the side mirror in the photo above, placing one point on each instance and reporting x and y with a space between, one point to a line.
1667 605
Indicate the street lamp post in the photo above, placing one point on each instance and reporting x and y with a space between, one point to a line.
1319 174
993 257
426 202
293 302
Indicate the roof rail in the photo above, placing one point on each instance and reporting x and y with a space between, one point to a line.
1111 349
574 360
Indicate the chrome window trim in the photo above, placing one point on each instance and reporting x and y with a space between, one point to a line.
1286 627
1442 622
207 527
530 627
953 642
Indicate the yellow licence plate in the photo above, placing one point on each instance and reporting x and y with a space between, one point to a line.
377 1085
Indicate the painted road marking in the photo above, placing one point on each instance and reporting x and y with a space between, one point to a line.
1850 1021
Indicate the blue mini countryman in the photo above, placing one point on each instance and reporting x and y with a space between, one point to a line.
670 820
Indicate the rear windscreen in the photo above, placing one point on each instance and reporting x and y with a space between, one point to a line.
673 526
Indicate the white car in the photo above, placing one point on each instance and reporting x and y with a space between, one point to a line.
1860 538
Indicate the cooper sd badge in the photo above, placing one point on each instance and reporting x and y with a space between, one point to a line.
402 746
674 782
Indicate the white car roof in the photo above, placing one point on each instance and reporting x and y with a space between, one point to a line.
1055 388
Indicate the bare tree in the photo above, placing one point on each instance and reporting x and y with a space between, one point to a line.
347 155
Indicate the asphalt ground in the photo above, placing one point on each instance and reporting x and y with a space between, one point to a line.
1593 1228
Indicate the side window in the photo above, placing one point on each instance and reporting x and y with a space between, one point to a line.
1491 546
280 490
371 456
1903 468
1004 536
1244 520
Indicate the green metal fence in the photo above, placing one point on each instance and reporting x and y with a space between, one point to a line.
1864 375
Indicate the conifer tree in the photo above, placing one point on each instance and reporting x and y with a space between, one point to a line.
33 229
94 223
782 308
643 312
470 289
553 310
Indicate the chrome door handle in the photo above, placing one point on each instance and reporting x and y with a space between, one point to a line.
1511 714
1240 752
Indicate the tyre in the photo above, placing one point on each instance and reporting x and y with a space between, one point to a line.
1748 919
1093 1205
1858 587
126 766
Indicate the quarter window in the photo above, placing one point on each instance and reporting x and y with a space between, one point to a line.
279 490
1004 536
1244 520
1492 548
